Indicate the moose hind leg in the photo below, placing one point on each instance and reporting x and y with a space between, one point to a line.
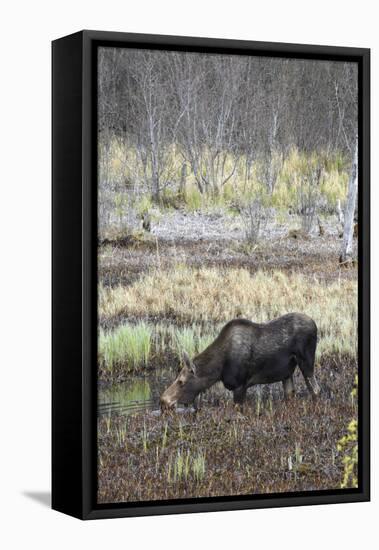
288 387
312 385
306 366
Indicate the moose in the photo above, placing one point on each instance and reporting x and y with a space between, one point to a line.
246 353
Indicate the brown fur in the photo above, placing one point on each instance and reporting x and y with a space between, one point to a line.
247 353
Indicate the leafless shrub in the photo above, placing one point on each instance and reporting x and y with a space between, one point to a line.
216 113
117 214
308 196
268 170
254 216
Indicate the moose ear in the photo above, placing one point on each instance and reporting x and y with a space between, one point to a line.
187 361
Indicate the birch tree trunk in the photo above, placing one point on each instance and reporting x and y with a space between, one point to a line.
347 242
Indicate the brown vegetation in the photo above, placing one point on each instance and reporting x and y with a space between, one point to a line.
271 447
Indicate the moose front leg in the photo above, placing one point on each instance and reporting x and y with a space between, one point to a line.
288 387
239 396
197 402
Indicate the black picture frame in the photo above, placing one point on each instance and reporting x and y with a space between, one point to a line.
74 310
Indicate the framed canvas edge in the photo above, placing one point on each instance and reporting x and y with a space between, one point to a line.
282 49
89 508
67 365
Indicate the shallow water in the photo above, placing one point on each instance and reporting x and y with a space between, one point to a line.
142 393
137 394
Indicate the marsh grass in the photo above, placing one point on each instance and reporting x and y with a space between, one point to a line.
163 345
247 182
290 446
137 347
198 466
144 438
192 339
185 465
128 345
202 300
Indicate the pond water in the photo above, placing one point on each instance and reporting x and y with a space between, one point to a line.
137 394
142 393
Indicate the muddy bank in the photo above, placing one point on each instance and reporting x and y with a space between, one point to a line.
314 257
271 446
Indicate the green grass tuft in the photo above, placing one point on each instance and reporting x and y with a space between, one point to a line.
127 345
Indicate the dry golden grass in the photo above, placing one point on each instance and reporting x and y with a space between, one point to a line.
188 295
125 165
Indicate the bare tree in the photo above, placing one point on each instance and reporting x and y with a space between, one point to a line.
347 241
153 109
224 115
308 196
207 92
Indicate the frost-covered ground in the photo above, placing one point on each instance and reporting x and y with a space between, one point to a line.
218 239
196 226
